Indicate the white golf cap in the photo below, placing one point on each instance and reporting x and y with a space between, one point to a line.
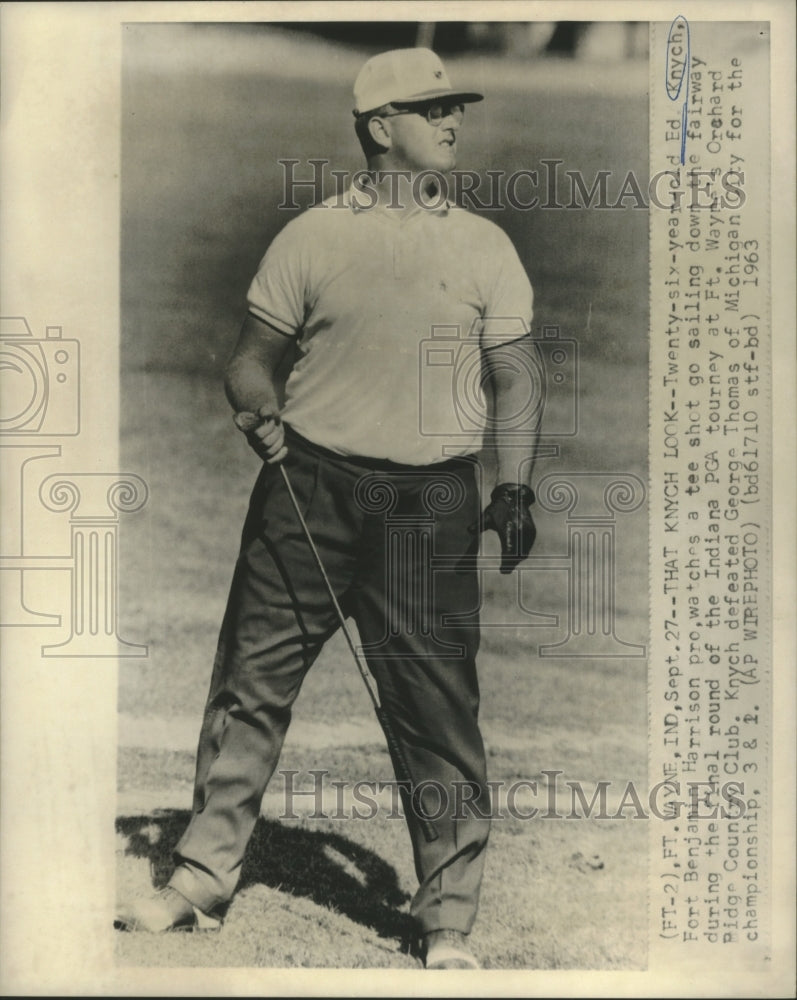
401 76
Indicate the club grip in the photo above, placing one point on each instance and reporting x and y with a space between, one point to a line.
401 767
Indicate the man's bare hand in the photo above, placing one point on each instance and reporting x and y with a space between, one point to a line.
264 432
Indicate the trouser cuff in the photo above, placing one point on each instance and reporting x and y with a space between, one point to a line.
191 884
446 918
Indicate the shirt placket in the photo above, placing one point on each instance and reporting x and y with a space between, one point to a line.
405 235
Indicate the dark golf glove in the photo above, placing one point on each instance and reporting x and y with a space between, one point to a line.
508 514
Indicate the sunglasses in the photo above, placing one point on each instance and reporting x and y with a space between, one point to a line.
434 112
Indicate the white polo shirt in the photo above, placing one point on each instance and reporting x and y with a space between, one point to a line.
390 311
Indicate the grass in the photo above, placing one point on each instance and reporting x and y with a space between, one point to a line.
200 180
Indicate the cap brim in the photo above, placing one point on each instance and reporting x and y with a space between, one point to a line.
466 96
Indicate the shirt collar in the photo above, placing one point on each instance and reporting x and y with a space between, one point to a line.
359 200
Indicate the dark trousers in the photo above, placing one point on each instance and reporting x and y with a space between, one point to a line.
380 530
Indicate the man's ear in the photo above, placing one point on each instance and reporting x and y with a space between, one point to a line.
379 131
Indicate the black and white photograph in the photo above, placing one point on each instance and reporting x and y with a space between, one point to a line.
391 262
391 499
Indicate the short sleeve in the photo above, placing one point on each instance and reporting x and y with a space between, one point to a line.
277 293
510 302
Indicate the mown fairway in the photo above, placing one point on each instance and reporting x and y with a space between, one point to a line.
207 115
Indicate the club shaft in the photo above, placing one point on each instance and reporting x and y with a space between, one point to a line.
364 673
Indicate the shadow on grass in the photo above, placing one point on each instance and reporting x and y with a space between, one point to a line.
327 868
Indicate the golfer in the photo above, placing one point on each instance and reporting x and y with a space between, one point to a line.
372 436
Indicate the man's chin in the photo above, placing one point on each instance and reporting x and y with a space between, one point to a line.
442 164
